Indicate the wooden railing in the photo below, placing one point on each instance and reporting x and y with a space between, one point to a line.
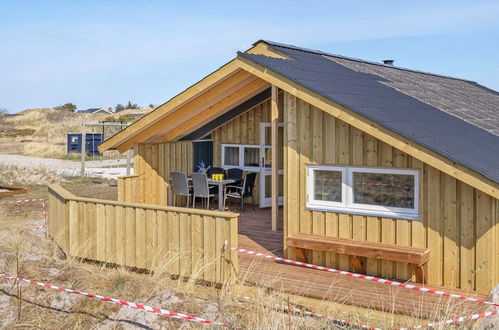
177 241
128 189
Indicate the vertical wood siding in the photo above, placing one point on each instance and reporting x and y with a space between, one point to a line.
128 189
153 163
458 223
177 241
244 129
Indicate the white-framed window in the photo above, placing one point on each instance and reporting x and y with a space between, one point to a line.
386 192
244 156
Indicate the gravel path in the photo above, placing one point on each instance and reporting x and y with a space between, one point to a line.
67 167
51 163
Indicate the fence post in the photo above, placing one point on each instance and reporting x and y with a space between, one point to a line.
83 151
18 285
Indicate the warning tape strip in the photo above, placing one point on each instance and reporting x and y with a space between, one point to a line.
454 321
364 277
32 200
43 226
44 210
119 302
371 278
21 201
312 314
102 172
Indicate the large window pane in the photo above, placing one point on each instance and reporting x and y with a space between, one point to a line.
251 156
231 156
268 136
267 157
391 190
327 186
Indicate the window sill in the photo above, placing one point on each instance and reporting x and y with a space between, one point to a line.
369 213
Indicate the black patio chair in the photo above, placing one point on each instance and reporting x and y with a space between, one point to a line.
235 174
242 192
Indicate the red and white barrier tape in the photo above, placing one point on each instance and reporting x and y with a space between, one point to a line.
119 302
32 200
317 315
44 212
43 226
375 279
102 172
21 201
364 277
454 321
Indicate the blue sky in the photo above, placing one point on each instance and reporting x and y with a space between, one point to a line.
100 53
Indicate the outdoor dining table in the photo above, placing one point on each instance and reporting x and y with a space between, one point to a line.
221 189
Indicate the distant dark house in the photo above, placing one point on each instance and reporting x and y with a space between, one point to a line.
95 110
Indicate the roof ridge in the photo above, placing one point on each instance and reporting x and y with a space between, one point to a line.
319 52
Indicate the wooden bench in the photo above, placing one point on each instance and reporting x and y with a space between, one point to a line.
418 257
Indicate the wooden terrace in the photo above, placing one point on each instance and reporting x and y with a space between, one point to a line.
255 234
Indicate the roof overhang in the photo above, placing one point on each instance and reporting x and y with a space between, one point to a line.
223 89
139 131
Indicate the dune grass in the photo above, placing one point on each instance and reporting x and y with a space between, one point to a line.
43 132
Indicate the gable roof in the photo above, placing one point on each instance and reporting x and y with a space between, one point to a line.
453 117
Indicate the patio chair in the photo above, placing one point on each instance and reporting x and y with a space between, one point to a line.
242 192
201 188
180 187
235 174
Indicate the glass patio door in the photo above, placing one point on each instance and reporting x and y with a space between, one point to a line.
265 192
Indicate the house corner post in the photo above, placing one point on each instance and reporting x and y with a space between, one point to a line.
274 148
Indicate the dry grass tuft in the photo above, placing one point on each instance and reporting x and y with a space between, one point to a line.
43 149
21 176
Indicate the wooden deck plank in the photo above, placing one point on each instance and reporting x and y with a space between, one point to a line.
255 234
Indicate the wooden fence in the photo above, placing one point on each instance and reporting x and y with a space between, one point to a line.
128 189
177 241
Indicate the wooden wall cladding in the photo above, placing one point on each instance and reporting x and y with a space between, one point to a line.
458 223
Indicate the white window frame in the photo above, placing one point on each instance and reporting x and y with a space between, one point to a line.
241 157
348 206
311 184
